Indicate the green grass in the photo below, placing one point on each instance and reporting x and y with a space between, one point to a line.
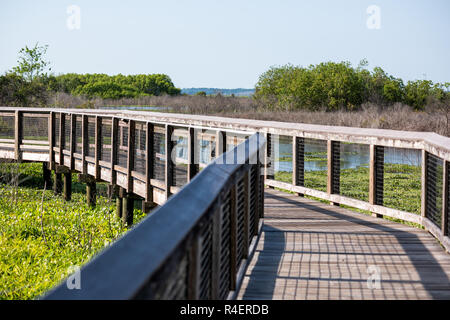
402 185
37 247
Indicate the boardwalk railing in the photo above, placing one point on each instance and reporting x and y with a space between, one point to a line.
192 247
398 174
195 246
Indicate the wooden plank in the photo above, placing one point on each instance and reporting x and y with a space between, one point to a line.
334 198
329 260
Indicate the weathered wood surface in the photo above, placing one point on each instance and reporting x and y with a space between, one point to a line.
312 250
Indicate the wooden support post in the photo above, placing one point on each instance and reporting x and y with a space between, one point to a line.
98 145
51 140
57 184
114 146
91 193
119 202
149 161
168 163
47 175
67 187
333 161
147 206
423 202
130 154
298 162
18 134
445 197
376 177
127 209
192 168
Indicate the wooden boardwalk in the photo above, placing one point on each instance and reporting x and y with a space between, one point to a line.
311 250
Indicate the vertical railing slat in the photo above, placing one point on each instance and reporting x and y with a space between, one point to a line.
445 197
333 165
149 163
130 154
423 202
168 163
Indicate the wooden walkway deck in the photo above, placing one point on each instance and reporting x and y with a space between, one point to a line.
311 250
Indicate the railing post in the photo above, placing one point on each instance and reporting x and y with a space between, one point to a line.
149 163
424 178
51 140
98 146
333 161
73 139
18 134
168 163
298 162
85 142
221 143
62 137
445 197
192 168
376 176
114 146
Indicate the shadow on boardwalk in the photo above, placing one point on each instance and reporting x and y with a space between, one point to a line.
312 250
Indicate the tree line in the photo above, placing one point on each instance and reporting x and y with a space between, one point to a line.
30 84
339 86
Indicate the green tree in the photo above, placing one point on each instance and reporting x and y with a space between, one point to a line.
31 63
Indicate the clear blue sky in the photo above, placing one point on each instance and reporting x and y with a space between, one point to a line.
228 44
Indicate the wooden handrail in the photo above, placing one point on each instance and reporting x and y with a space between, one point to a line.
165 247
